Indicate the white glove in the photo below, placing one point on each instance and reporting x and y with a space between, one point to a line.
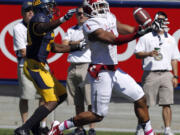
68 15
82 44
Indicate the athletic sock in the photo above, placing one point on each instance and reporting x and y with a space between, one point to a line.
147 128
66 124
43 124
38 115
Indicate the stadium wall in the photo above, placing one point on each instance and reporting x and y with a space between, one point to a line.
10 14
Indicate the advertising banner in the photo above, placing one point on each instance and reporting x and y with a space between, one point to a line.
11 14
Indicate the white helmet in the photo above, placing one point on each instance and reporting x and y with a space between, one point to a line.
95 8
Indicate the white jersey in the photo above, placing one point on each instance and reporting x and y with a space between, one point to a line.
168 49
75 33
107 80
20 36
102 53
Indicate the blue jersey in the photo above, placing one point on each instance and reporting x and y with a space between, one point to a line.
39 45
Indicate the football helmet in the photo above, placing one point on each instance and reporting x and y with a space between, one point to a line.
95 8
47 7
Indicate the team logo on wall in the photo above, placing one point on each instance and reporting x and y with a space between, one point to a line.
8 29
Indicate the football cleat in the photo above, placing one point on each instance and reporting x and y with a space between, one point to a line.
55 129
139 130
44 131
21 131
150 132
92 131
79 131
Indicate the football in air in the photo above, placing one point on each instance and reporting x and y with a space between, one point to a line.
142 17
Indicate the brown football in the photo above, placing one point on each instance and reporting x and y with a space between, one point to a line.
142 17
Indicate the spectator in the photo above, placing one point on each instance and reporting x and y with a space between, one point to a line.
159 53
27 89
78 92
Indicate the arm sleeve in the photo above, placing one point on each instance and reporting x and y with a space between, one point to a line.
19 39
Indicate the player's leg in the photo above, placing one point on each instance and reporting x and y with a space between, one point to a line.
45 84
127 85
151 88
28 91
43 125
101 94
87 96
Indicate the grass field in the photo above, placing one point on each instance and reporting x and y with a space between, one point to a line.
10 132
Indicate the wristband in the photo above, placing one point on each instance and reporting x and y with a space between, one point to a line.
175 76
74 47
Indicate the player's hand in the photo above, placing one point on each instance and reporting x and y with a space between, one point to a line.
143 30
68 15
82 44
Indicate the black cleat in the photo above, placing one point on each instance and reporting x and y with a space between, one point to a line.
44 131
21 131
92 131
79 131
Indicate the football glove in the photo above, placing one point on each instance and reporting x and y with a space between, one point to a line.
143 30
68 15
82 44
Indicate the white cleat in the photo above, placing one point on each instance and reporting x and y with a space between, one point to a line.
55 129
139 130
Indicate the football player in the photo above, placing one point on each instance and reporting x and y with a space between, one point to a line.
40 43
103 32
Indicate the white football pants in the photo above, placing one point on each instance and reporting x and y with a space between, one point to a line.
117 80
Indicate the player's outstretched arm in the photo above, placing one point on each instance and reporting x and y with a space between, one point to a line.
61 48
124 29
110 38
46 27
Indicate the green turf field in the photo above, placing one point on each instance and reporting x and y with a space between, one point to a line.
10 132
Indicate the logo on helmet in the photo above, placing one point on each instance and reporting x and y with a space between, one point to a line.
36 2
